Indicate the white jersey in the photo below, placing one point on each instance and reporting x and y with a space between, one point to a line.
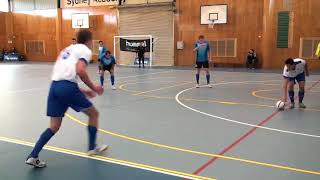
300 67
65 66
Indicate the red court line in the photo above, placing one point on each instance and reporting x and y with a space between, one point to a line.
203 167
269 118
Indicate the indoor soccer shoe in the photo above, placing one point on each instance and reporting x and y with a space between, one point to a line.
301 105
197 86
209 86
291 106
98 150
35 162
113 88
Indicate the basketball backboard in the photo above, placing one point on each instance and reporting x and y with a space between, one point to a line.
80 20
216 13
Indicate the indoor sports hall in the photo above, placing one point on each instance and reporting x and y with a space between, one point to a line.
176 89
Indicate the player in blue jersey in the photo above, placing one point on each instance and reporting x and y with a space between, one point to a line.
107 63
203 57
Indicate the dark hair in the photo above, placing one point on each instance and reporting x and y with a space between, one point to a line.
73 39
108 52
289 61
84 36
201 37
100 41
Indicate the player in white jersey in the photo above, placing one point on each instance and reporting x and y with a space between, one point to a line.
294 71
65 92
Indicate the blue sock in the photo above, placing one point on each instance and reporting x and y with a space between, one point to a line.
112 79
197 78
43 140
208 78
291 96
101 80
301 96
92 137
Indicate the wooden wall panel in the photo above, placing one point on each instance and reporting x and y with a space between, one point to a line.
247 21
305 17
253 23
36 25
54 28
244 24
3 33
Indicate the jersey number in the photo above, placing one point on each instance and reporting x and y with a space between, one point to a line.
65 55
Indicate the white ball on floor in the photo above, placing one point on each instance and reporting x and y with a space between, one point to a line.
280 105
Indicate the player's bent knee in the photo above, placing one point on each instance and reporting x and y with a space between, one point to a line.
55 127
92 113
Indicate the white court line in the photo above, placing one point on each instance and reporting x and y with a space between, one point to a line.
235 121
105 159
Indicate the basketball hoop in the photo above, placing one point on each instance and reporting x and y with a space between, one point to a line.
211 24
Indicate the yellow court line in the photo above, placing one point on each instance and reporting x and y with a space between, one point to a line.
106 159
254 93
228 102
166 87
197 152
263 84
209 100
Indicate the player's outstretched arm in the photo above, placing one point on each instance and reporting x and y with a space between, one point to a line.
88 93
82 73
285 89
306 69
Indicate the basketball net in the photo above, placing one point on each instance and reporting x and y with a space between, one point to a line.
211 24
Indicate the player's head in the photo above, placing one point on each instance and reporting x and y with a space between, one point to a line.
290 64
84 37
101 43
201 38
74 41
108 54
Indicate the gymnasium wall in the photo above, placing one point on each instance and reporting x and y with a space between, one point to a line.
253 23
53 27
3 32
103 25
36 25
305 24
244 23
247 20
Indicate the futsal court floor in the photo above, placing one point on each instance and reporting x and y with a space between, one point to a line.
160 127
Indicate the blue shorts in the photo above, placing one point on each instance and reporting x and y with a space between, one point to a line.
65 94
298 78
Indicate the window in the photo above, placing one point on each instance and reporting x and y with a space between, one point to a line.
34 47
4 5
223 48
308 47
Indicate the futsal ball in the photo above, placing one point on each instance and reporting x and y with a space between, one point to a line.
280 105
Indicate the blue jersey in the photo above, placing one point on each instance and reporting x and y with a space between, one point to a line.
108 61
102 52
202 51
